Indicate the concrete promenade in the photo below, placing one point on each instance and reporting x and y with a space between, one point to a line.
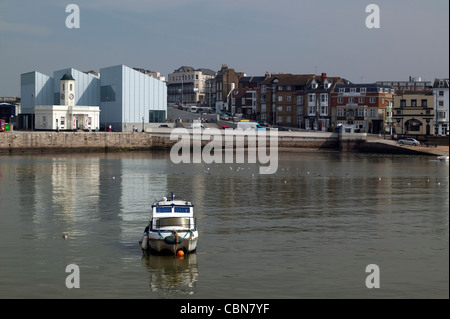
159 138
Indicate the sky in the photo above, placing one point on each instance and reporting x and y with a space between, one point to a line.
251 36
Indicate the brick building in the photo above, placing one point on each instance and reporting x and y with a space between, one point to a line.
300 101
367 106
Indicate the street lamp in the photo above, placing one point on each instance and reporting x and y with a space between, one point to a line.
143 124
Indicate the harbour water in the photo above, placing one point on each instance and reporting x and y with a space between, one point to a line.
308 231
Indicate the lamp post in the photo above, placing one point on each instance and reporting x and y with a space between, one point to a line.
143 124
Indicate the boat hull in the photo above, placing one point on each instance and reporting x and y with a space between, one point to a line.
160 244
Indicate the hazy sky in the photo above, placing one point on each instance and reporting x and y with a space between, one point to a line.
251 36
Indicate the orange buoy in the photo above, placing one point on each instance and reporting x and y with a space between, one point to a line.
180 253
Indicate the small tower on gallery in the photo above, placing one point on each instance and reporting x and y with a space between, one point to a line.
67 90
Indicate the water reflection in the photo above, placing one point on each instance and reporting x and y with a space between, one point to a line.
172 276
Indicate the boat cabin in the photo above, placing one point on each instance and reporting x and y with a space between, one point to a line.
173 214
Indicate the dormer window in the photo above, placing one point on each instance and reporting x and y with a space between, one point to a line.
314 84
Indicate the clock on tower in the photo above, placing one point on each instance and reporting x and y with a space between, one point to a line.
67 96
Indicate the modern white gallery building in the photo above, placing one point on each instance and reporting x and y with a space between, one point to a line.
125 99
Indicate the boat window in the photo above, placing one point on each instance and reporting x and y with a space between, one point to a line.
182 210
164 209
173 221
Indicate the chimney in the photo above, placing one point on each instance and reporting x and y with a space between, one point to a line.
323 76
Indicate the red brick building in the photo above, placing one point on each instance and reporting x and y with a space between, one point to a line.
301 101
367 106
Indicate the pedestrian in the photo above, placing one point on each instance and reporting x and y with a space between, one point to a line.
110 128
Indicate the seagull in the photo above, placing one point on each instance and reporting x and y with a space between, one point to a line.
64 236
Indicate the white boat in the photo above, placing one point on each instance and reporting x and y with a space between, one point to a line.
443 158
172 228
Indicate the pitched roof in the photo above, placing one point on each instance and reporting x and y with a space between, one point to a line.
289 79
67 76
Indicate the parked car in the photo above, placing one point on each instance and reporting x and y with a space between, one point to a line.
164 125
409 141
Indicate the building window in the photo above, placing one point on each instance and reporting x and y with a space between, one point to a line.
441 93
288 119
157 116
299 100
362 90
340 100
341 90
108 93
352 90
441 103
402 103
288 88
324 98
288 108
280 98
311 98
372 100
350 100
414 103
280 119
71 87
424 103
361 100
288 98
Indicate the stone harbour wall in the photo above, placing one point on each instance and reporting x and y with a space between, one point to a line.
47 142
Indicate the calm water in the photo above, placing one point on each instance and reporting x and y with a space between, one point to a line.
308 231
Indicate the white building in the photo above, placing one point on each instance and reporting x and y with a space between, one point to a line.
127 99
441 107
67 115
187 85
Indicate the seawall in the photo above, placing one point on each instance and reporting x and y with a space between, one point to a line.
69 142
48 142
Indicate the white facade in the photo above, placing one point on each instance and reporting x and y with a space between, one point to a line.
129 98
67 115
63 117
441 107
